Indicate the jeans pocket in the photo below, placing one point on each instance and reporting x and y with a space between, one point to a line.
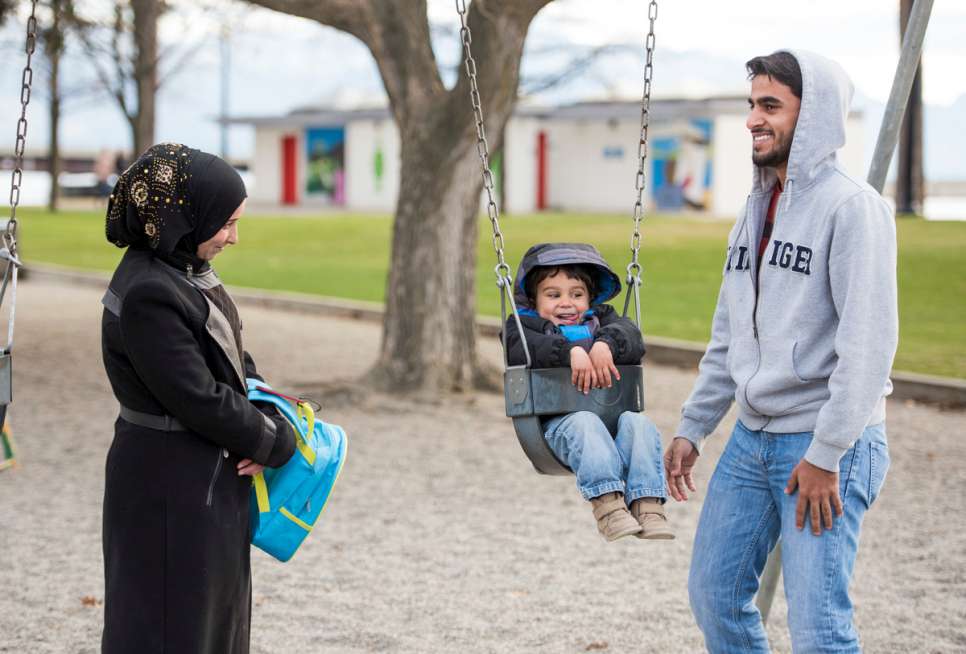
878 467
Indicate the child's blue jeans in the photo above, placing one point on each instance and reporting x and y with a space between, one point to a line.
630 463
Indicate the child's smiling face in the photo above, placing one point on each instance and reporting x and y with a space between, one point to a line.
561 299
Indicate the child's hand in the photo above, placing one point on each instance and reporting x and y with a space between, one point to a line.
583 375
603 361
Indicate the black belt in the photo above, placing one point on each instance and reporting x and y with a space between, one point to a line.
151 421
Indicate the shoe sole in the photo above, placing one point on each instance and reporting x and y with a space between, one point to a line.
655 536
622 534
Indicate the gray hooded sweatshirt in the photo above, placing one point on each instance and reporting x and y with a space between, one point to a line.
809 348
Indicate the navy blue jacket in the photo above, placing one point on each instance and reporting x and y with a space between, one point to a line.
549 346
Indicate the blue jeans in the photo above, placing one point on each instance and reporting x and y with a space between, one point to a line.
630 463
745 512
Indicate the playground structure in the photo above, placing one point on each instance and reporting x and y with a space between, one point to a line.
911 51
531 393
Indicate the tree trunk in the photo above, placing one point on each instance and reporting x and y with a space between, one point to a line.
429 334
54 46
910 179
429 330
146 15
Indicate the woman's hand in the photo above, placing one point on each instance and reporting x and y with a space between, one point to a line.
249 467
603 361
583 375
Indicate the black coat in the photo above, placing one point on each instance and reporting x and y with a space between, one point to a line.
176 513
549 347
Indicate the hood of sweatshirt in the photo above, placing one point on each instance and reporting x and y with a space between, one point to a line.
606 282
820 131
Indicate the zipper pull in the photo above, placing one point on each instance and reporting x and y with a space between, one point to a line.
191 271
224 452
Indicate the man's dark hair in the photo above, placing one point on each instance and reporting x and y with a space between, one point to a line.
573 271
780 66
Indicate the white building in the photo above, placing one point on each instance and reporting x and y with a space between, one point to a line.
580 157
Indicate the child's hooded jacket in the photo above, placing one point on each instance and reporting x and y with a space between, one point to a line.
550 345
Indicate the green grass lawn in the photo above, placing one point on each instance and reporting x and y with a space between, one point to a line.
346 255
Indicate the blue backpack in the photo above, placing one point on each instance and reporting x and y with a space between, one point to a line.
286 502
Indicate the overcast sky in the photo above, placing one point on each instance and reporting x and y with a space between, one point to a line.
862 35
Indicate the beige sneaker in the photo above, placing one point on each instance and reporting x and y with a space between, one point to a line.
613 519
650 515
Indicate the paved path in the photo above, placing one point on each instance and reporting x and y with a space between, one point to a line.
439 537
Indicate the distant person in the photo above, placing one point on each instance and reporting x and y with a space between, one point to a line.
104 165
176 498
562 288
803 339
120 163
693 163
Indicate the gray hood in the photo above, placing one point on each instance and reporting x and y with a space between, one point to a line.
826 98
607 283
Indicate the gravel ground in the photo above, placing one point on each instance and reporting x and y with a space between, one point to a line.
439 537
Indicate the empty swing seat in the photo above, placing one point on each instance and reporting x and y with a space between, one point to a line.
534 395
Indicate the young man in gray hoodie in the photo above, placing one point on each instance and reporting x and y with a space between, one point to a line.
803 338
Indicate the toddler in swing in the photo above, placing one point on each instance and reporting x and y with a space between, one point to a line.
560 292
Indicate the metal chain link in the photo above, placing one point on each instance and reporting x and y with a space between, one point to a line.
482 147
9 250
634 267
10 234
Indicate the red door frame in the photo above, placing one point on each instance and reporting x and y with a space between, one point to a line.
541 171
290 170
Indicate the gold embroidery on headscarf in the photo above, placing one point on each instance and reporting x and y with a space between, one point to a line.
156 184
139 193
165 173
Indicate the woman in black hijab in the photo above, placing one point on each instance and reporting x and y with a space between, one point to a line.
176 500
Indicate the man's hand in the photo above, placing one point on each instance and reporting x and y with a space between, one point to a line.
583 375
603 361
818 493
679 460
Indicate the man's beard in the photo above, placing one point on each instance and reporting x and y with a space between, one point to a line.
776 156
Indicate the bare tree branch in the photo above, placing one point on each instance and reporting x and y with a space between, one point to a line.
515 10
574 68
499 29
346 15
174 68
124 53
6 8
398 36
97 55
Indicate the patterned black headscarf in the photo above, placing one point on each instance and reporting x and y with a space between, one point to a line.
172 199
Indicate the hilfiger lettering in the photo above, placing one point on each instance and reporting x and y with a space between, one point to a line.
738 258
789 255
784 254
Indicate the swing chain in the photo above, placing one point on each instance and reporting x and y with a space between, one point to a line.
10 234
482 147
634 267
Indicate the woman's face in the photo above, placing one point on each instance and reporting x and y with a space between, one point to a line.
227 235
